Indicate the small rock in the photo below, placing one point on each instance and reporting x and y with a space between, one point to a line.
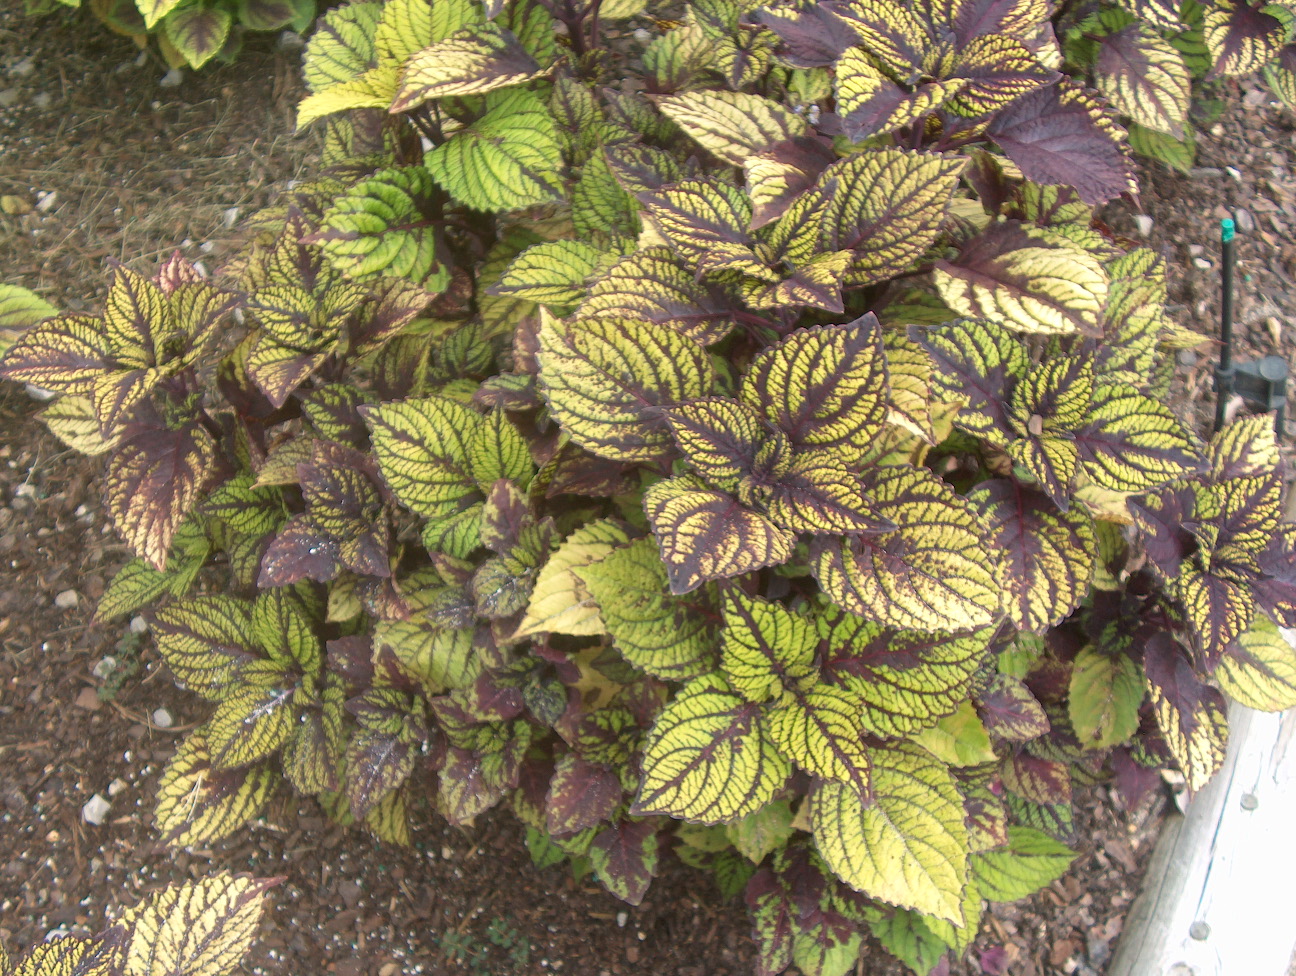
1186 357
116 786
1216 130
105 666
290 41
23 69
1234 172
138 625
9 97
42 100
40 395
1206 171
88 699
1144 224
1254 98
1196 250
1245 222
95 810
67 600
1274 326
162 718
1202 263
15 206
45 200
171 79
621 919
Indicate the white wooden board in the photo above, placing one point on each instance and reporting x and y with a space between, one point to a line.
1219 898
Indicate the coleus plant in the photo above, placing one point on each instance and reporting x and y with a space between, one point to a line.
205 927
191 32
1146 55
759 455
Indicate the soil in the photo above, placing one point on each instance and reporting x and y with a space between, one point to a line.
136 169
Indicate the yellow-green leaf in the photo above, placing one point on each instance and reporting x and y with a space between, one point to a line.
669 637
733 126
766 649
959 739
1031 860
706 535
422 446
607 381
561 603
1259 669
1106 692
471 61
822 732
197 804
709 757
908 846
200 928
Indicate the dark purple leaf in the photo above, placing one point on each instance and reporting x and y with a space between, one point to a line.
1276 590
811 36
1010 711
300 551
625 858
376 764
581 794
1062 135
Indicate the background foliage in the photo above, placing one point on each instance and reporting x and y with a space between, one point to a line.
742 442
191 32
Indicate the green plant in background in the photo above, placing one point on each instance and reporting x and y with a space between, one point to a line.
204 928
739 442
191 32
1146 56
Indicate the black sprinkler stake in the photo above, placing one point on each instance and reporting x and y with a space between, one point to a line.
1224 373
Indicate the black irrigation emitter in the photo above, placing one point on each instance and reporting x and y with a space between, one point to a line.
1261 383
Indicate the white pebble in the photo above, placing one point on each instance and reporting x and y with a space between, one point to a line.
106 666
1144 224
162 719
230 217
67 600
622 918
116 786
171 79
138 625
40 395
23 69
95 809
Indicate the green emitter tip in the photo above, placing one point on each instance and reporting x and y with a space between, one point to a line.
1226 229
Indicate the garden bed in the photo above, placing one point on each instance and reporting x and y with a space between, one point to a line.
135 169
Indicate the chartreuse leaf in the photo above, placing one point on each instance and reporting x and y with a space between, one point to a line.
197 32
1019 277
607 381
706 223
507 160
1191 715
762 832
885 206
496 450
552 273
728 443
204 639
933 572
766 649
154 10
250 723
1259 669
906 680
976 363
872 104
1106 692
733 126
1132 442
197 803
200 928
651 285
706 535
20 309
67 956
824 387
668 637
709 757
959 739
342 45
1048 555
1031 860
471 61
906 936
908 845
561 603
822 731
422 446
1145 78
381 226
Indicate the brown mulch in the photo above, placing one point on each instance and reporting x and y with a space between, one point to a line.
136 170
